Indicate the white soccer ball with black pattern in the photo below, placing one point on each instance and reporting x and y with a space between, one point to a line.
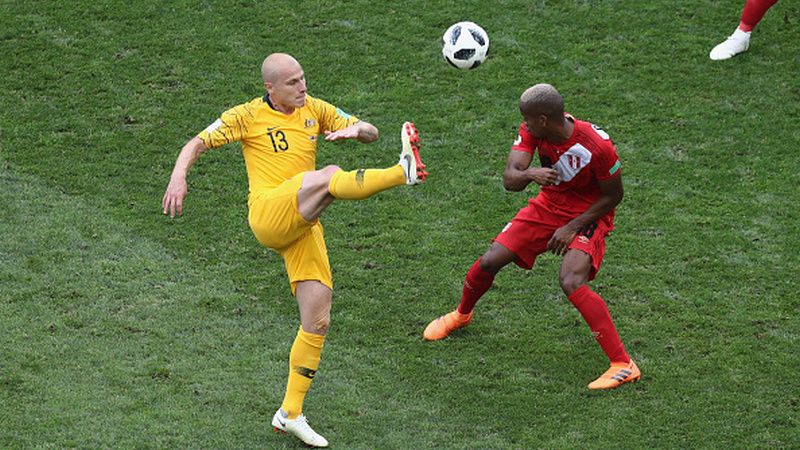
464 45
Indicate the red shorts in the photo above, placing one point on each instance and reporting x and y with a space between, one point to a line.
529 231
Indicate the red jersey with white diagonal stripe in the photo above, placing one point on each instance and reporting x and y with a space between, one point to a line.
587 157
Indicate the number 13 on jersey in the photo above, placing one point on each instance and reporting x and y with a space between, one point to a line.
278 139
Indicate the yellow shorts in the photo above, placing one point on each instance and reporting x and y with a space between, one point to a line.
276 222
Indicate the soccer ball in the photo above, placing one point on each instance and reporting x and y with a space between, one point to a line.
464 45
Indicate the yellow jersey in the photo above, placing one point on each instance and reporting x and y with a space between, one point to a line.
276 146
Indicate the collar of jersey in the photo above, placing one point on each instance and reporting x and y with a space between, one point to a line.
266 100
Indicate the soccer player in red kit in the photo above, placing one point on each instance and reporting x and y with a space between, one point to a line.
581 184
739 41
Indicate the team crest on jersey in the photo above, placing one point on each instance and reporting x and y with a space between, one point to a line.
574 162
310 123
571 162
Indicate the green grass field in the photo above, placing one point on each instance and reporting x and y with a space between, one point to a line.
120 328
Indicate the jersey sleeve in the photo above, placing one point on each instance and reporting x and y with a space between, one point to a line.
230 127
607 162
524 141
332 118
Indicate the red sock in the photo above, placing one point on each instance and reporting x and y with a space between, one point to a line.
595 313
476 284
753 12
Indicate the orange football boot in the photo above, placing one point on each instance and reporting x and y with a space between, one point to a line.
444 325
617 374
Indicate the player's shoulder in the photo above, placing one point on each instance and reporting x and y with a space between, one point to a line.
316 103
247 109
253 103
525 138
317 106
315 100
259 102
328 112
591 135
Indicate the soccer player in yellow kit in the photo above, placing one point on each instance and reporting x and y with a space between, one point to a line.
287 195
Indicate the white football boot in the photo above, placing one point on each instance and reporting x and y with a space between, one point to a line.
736 43
298 427
409 156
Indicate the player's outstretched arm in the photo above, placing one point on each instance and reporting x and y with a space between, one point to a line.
361 131
177 187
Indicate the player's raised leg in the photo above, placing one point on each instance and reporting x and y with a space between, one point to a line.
321 187
478 280
363 183
575 270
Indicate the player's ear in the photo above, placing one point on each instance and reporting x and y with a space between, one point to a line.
542 120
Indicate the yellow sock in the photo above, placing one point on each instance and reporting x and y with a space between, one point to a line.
363 183
303 363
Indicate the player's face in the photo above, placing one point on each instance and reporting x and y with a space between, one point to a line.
536 125
290 89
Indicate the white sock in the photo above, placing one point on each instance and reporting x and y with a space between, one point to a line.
741 35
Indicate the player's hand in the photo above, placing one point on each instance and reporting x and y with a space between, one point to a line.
559 243
544 176
346 133
174 195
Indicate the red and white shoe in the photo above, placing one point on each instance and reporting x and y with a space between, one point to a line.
410 161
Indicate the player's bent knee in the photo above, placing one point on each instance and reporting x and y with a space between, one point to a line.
328 171
488 264
321 325
496 258
319 179
570 282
